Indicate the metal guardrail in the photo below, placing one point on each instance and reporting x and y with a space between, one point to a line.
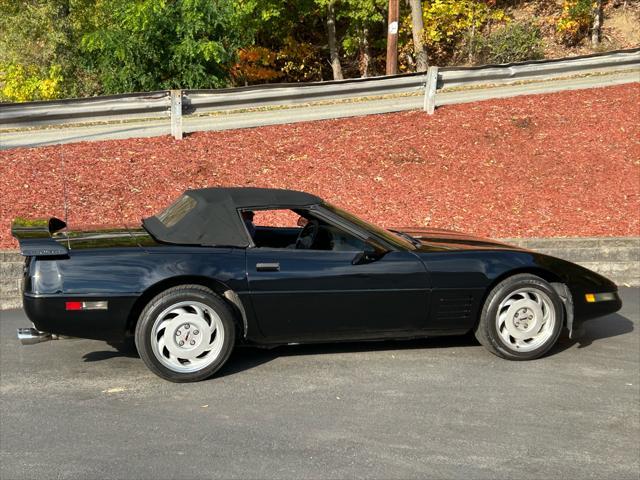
289 94
158 104
540 70
85 109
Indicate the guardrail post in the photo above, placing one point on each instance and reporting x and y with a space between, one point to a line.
176 114
430 90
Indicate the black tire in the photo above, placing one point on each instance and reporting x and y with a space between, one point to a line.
200 295
487 332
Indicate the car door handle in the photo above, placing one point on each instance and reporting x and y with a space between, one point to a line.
268 267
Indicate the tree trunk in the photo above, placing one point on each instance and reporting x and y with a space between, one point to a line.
597 23
472 43
333 47
417 28
365 54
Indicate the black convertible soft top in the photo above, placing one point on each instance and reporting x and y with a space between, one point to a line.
209 216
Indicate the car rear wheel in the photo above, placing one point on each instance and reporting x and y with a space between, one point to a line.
185 333
522 318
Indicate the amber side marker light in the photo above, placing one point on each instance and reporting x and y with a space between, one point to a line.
599 297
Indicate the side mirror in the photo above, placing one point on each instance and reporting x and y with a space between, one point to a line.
371 254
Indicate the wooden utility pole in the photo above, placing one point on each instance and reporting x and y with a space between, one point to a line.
392 37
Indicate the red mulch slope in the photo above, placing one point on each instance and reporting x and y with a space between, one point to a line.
564 164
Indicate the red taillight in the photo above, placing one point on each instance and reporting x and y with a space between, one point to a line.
97 305
73 305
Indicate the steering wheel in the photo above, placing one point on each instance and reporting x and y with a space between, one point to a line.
308 235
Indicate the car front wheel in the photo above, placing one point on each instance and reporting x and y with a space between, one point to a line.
522 318
185 334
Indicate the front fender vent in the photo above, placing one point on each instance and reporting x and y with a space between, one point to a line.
452 310
454 307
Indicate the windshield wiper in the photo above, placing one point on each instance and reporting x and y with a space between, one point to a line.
406 236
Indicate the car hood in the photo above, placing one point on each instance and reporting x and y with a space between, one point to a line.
436 239
113 236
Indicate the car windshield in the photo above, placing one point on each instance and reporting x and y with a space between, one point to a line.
388 236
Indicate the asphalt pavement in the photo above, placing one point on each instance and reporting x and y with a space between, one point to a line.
322 111
434 408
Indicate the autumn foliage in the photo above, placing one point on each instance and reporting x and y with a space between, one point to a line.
255 65
78 48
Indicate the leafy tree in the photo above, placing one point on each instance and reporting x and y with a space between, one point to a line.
160 44
56 48
451 24
33 49
300 61
293 30
329 7
364 20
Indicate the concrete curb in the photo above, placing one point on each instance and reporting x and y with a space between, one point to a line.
11 263
615 258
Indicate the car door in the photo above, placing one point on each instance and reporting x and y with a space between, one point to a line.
315 295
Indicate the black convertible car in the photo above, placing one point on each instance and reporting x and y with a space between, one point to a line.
223 266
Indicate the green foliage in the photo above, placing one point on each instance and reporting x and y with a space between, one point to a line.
358 16
363 32
162 44
363 11
41 25
514 42
272 21
61 48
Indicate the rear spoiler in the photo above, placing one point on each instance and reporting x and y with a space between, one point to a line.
36 237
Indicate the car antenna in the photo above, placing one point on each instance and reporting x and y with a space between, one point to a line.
64 193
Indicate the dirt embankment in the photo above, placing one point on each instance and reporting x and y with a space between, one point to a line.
564 164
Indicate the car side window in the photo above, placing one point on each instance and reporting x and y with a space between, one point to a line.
297 229
277 218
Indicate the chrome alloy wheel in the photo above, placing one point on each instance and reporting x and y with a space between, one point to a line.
526 319
187 337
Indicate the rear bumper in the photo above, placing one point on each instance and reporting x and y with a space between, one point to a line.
49 314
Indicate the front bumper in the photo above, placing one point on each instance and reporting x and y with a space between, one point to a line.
584 310
578 310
